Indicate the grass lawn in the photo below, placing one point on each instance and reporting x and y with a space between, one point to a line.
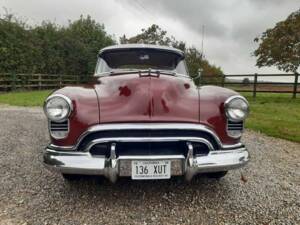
276 115
28 98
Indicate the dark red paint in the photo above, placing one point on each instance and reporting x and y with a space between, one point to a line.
131 98
187 86
124 91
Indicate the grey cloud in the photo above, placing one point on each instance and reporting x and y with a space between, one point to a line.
230 26
260 3
193 13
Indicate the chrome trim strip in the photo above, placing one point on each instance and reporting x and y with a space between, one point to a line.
232 146
58 147
141 46
153 126
148 126
150 157
149 139
70 147
66 153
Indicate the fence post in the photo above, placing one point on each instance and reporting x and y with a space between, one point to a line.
13 81
40 81
223 80
77 79
254 85
295 85
60 80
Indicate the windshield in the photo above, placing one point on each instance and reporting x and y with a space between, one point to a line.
140 59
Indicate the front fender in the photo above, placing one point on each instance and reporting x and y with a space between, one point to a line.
212 111
85 112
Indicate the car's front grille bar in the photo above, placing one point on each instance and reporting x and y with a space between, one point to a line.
59 129
149 139
235 125
235 129
150 148
139 130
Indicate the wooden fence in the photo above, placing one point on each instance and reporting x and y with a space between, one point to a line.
239 82
11 82
256 83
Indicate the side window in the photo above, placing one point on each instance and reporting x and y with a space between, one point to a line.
181 68
102 67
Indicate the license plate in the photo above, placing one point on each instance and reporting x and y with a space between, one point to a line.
150 169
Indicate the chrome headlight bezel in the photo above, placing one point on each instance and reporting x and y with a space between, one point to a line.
66 105
228 106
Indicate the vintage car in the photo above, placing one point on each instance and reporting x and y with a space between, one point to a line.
143 117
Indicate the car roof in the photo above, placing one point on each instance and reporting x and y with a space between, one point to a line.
141 46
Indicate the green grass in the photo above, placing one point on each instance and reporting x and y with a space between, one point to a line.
276 115
28 98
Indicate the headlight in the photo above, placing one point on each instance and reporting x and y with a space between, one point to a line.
236 108
58 107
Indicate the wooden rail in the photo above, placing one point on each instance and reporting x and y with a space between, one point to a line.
239 82
11 82
252 83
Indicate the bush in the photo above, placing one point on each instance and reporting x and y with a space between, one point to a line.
49 48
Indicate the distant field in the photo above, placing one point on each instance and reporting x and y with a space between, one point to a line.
265 88
276 115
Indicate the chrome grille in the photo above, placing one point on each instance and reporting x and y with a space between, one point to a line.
235 129
235 125
59 130
146 133
149 148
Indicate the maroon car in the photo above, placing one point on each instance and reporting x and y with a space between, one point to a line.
143 117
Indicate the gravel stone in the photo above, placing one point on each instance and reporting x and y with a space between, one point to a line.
266 191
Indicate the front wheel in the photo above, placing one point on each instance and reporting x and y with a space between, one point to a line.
217 175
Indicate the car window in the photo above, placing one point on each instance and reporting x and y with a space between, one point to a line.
141 59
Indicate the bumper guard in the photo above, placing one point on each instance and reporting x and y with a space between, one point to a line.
84 163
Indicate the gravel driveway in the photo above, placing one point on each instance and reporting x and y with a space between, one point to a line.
266 191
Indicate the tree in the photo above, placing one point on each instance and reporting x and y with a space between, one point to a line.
280 46
194 58
246 81
154 35
83 40
50 53
49 48
16 45
196 61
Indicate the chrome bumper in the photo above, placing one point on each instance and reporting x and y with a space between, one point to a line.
113 167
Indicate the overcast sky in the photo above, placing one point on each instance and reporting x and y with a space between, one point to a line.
230 26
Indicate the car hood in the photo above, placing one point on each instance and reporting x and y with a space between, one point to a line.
147 98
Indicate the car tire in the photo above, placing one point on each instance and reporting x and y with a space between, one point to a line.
217 175
70 177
